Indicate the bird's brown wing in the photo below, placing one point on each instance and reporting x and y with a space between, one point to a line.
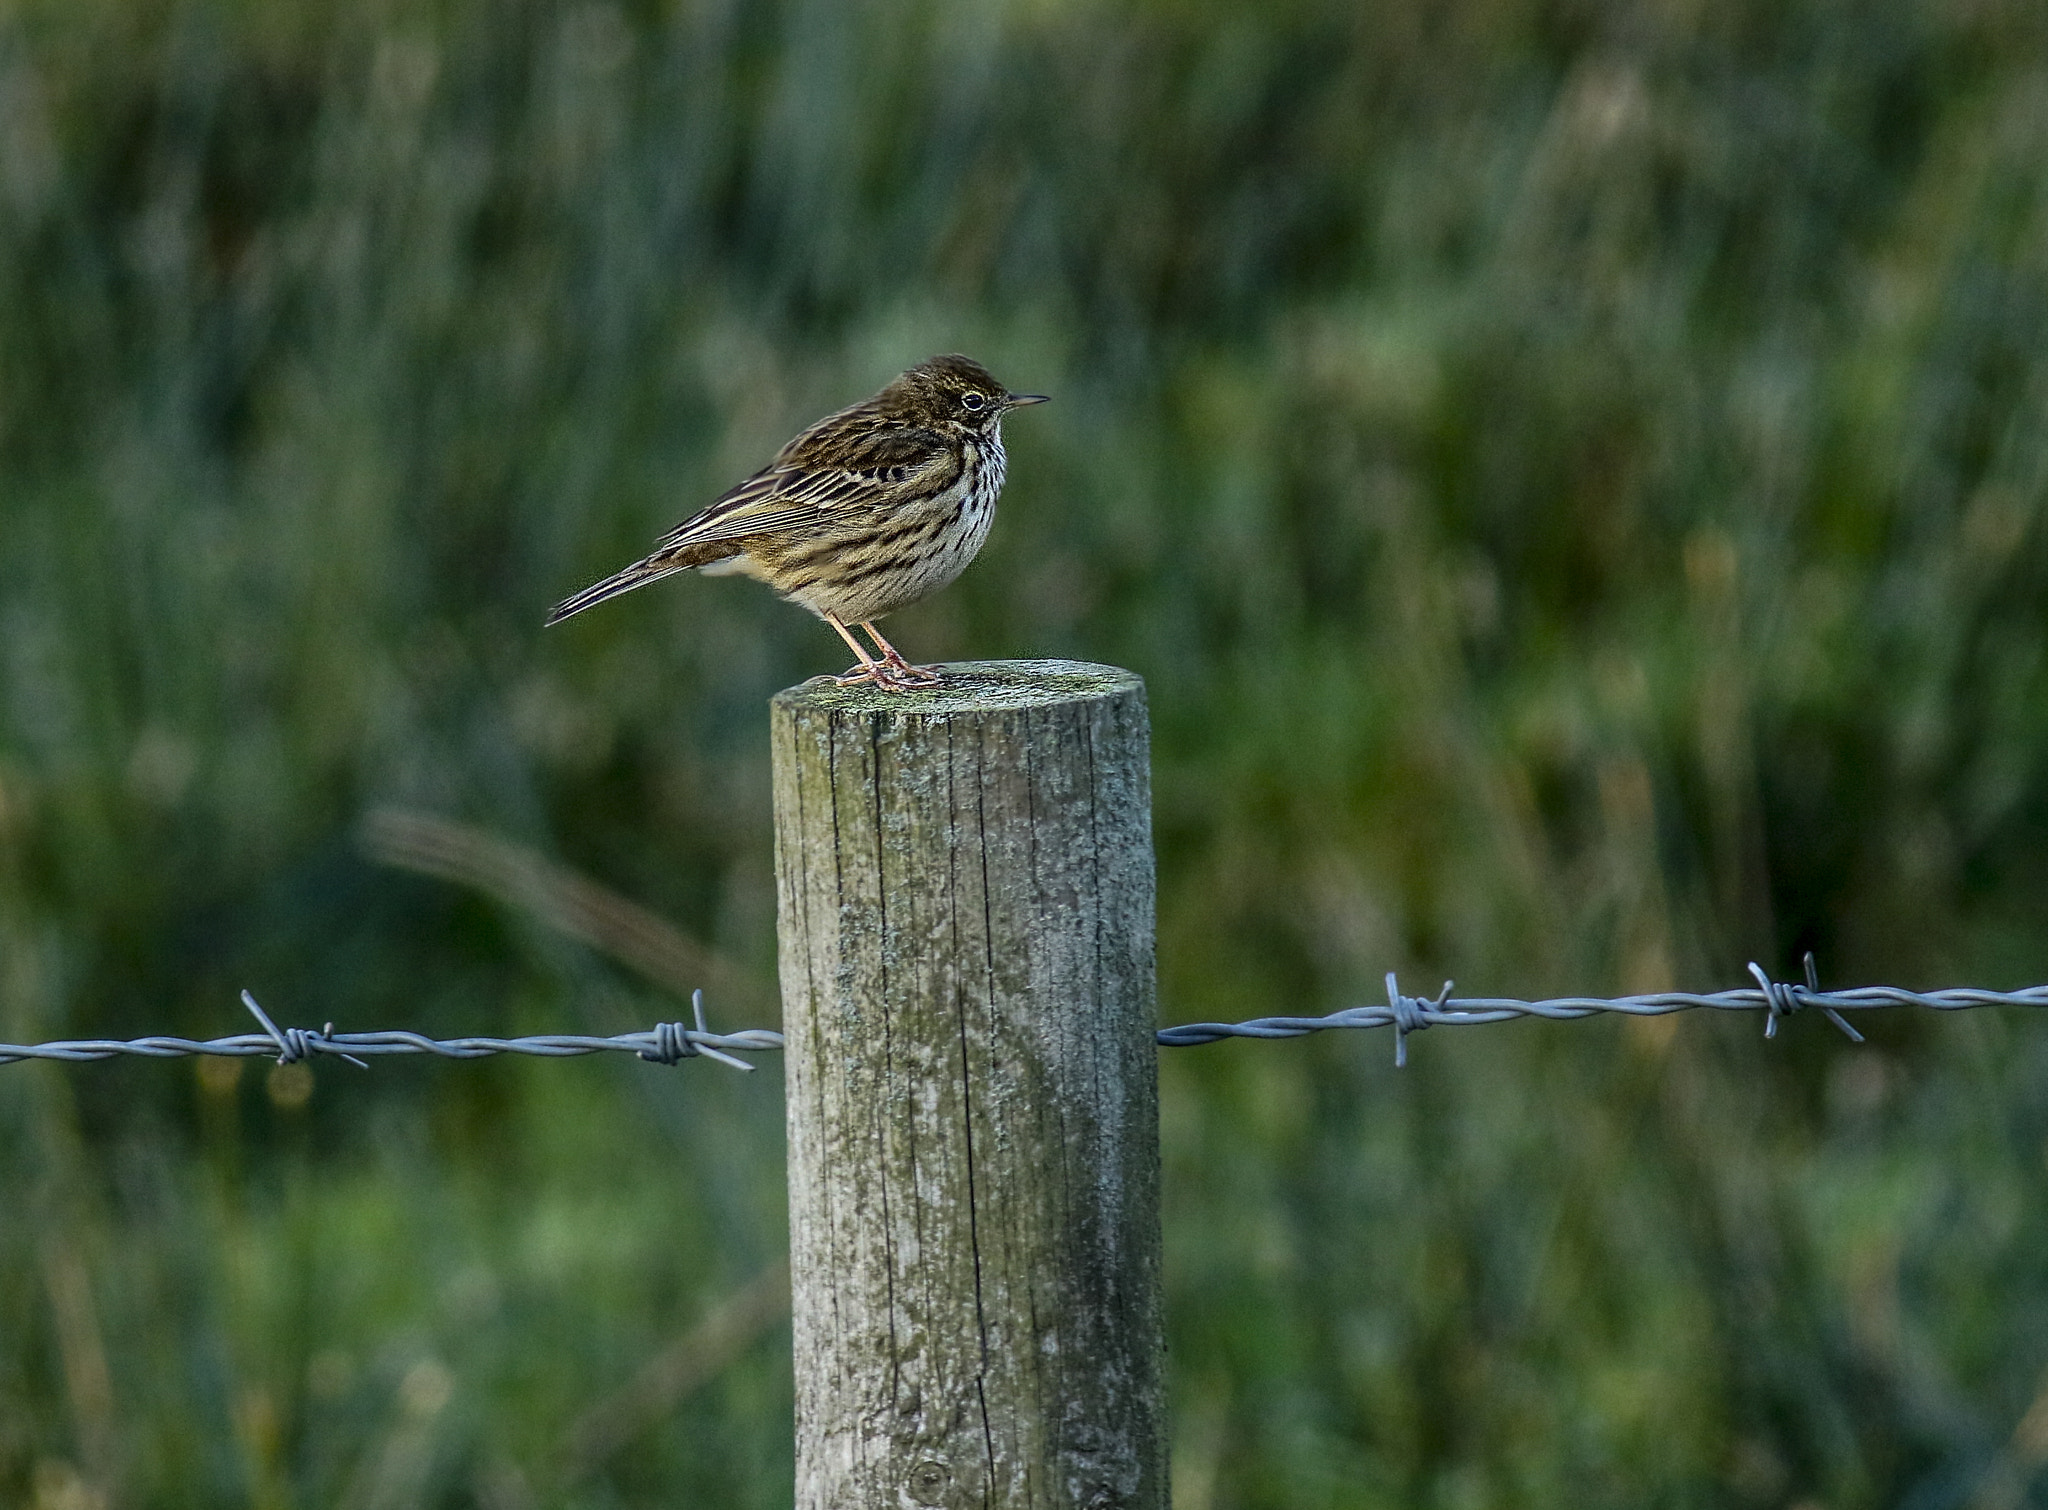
818 474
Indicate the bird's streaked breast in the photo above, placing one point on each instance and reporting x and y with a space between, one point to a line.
901 548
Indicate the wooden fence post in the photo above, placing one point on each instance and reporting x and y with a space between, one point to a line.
964 879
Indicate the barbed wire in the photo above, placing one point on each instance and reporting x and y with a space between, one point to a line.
672 1042
664 1043
1412 1014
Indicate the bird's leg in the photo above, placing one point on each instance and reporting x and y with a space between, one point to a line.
870 670
919 676
868 666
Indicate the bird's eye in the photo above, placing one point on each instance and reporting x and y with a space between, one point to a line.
973 403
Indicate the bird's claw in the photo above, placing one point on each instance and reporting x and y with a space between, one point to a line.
916 676
887 677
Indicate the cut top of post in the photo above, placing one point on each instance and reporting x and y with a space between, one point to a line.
970 687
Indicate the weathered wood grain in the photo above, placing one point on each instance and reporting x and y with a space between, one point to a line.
965 889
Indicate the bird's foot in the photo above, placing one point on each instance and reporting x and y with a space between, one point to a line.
916 676
887 677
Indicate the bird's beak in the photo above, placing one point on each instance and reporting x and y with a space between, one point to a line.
1019 400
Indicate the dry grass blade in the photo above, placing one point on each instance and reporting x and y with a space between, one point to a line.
671 1375
565 901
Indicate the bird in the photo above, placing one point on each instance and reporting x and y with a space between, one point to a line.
867 511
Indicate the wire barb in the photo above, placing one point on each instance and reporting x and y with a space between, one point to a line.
296 1044
1778 1000
673 1042
1410 1015
1813 990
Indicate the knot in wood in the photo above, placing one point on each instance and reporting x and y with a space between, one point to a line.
931 1481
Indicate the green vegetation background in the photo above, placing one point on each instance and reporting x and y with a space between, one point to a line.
1571 475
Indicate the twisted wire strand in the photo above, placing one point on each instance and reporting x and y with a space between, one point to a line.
672 1042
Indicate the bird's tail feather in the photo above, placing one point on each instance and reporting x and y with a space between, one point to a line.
637 575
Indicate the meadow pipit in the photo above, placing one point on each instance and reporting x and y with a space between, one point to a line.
867 511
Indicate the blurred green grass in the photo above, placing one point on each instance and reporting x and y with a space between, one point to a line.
1571 477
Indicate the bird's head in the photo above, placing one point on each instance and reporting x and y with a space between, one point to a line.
954 394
